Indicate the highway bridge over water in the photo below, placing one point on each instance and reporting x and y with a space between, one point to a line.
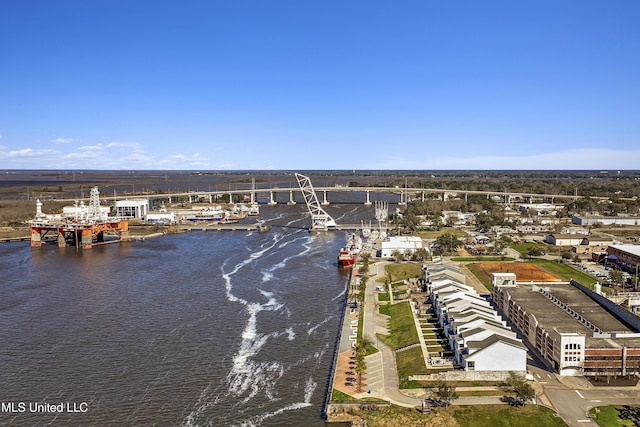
274 195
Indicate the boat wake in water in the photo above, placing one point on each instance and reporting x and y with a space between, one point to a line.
272 368
198 328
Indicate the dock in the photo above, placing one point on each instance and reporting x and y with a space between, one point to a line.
14 239
221 227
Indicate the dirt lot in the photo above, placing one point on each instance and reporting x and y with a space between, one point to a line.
524 272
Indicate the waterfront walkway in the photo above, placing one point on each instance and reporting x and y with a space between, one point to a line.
569 397
381 377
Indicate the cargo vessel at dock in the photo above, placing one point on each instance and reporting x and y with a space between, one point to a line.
349 252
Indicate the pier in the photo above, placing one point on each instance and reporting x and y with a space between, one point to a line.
14 239
221 227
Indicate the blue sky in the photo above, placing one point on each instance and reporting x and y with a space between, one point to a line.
319 84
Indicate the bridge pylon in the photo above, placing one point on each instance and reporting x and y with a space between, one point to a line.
320 219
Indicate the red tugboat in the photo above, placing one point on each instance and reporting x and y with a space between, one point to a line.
346 258
349 252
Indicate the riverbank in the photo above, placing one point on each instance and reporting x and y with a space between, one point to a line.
136 232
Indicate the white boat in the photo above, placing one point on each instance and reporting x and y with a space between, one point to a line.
210 213
254 209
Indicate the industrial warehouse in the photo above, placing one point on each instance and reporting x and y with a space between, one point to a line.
575 330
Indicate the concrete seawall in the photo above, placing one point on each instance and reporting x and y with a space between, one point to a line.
336 347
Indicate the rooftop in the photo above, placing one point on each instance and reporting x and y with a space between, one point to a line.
551 316
632 249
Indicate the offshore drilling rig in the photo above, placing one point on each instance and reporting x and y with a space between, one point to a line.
85 227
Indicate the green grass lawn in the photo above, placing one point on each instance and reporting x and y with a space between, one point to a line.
410 362
564 272
337 396
506 416
482 258
402 329
370 349
403 270
466 416
383 296
608 417
524 247
385 309
483 276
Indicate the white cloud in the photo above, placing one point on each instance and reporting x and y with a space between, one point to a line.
195 157
132 155
97 147
128 145
25 153
62 140
140 158
88 154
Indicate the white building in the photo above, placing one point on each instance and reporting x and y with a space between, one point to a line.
132 208
491 354
401 243
478 336
457 218
605 220
564 239
540 208
163 217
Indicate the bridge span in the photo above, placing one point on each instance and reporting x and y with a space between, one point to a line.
405 194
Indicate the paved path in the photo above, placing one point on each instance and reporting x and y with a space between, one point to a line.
382 375
381 367
570 397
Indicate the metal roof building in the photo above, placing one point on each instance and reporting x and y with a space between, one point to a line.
573 332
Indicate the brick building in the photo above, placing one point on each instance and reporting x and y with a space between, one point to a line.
568 328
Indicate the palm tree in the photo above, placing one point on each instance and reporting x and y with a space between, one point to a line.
366 258
361 364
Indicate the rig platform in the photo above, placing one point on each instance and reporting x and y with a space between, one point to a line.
87 227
